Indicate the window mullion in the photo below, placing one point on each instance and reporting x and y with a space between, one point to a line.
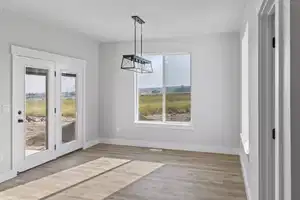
163 90
137 96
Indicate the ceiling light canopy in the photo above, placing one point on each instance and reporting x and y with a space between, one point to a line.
133 62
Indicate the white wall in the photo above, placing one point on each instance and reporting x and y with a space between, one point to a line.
215 96
250 162
18 30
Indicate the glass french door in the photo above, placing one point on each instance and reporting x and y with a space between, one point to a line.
33 97
69 109
47 111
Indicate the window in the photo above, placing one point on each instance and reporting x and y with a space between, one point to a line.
165 94
245 91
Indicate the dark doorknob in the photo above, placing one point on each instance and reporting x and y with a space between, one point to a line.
20 120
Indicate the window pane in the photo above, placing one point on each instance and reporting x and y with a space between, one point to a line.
68 107
150 91
178 88
36 102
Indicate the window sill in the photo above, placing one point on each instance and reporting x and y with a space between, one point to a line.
245 143
171 125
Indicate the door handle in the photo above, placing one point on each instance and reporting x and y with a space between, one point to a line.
20 120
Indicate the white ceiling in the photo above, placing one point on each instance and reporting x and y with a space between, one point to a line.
110 20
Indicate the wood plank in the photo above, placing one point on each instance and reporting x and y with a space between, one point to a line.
106 184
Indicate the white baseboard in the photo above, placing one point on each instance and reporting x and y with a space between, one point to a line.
91 143
7 175
246 182
170 145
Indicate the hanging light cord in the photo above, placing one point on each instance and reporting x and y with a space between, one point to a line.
135 37
141 40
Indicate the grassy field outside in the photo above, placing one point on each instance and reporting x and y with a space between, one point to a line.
37 108
176 103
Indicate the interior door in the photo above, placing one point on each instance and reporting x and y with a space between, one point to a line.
69 108
33 112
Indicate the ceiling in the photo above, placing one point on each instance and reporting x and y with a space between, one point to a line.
110 20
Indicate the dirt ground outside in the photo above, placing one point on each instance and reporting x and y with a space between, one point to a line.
36 137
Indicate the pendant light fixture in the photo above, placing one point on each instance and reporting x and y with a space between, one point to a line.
133 62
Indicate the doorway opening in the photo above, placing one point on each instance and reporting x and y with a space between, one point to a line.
270 154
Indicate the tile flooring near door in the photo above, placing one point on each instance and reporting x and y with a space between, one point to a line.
132 173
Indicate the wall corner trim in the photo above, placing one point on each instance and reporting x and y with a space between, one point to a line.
171 146
91 143
246 180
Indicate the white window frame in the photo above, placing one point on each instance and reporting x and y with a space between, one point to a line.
245 105
180 125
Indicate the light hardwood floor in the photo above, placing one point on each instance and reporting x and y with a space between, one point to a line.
185 175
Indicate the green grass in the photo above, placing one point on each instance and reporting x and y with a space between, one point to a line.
37 108
175 103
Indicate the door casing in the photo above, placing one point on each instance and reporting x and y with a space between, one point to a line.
267 10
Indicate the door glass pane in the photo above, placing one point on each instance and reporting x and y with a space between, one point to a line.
68 107
149 88
178 88
36 101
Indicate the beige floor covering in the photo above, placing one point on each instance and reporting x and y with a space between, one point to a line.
46 186
108 183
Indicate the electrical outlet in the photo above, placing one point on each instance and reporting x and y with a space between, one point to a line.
1 157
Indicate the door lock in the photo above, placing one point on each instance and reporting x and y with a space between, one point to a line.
20 120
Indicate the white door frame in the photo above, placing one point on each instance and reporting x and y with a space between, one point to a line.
265 119
58 59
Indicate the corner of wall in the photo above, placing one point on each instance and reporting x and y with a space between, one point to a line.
244 173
